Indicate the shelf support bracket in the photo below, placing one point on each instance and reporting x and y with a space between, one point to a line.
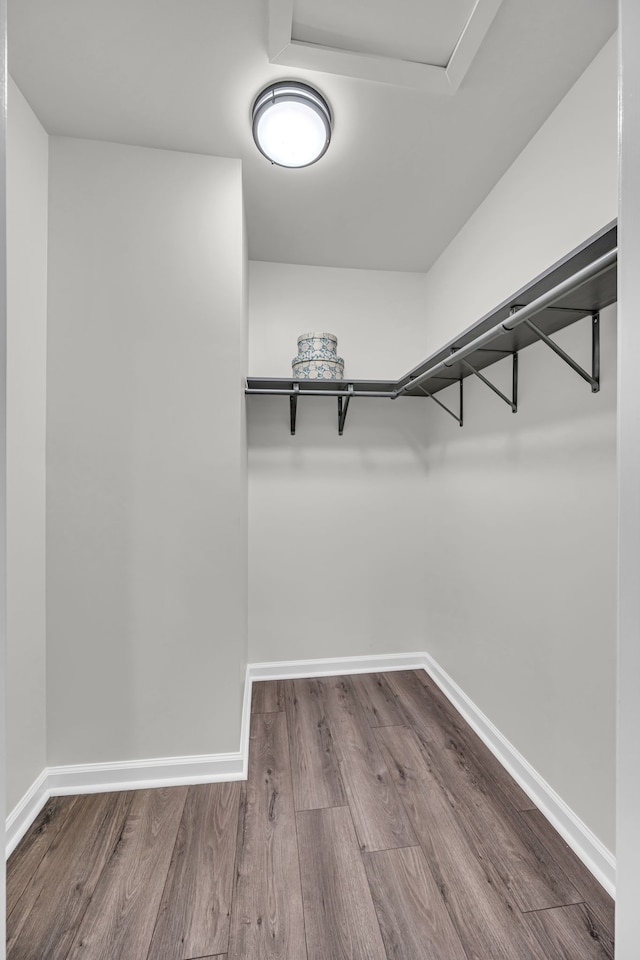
293 407
343 406
510 401
592 378
457 417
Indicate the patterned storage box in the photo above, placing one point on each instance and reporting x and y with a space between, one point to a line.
317 358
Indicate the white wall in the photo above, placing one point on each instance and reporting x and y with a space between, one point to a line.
520 576
146 492
335 566
628 835
325 510
27 188
562 189
492 547
378 315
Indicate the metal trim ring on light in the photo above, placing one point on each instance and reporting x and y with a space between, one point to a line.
291 91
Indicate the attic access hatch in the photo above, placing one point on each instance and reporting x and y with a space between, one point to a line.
580 285
425 44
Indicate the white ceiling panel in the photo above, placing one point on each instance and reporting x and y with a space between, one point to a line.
406 167
428 45
425 31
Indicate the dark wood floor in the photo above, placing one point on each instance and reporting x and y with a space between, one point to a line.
374 826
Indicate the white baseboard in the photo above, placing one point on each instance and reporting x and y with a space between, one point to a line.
177 771
109 777
25 812
335 666
174 771
584 843
245 724
143 774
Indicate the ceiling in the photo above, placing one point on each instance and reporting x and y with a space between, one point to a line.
368 27
406 166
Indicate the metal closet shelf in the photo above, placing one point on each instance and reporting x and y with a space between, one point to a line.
579 285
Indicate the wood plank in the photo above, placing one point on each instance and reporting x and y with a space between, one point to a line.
533 877
378 815
267 696
315 770
378 701
528 870
601 904
461 742
196 904
444 708
28 855
484 915
266 919
118 924
434 718
482 865
411 912
47 916
571 933
417 705
339 914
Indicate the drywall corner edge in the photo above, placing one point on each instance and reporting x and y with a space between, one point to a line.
25 812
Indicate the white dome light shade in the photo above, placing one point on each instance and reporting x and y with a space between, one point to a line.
291 124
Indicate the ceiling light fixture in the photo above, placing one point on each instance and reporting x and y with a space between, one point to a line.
291 124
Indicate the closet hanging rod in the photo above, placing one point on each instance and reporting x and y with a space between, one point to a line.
282 392
514 320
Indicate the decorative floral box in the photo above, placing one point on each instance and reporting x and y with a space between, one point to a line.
317 358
